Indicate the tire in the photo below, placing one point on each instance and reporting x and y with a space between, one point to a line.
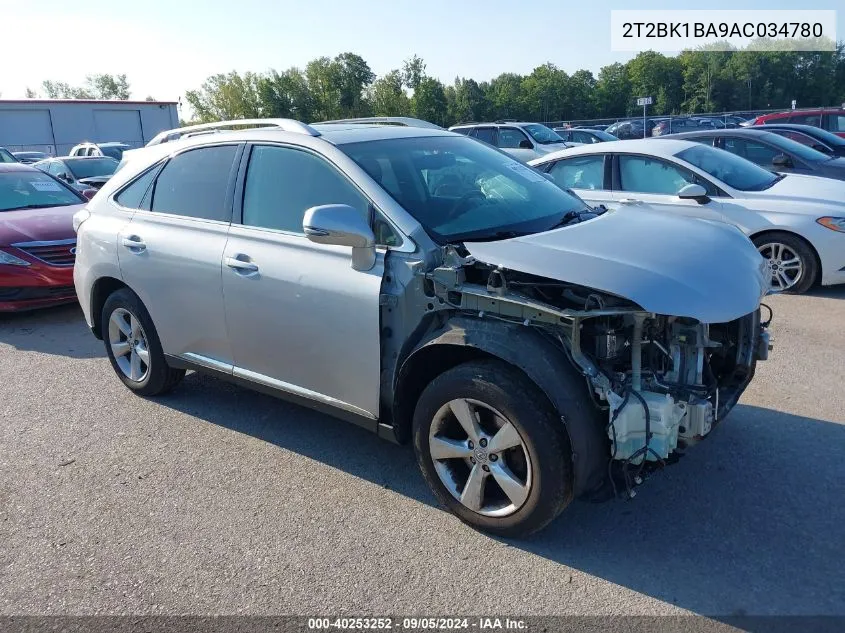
542 460
773 245
152 377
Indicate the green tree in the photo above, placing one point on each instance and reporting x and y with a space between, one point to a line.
352 75
387 96
581 95
286 95
429 101
469 102
225 97
655 75
613 91
413 72
544 94
504 97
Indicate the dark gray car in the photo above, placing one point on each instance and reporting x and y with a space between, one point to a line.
771 151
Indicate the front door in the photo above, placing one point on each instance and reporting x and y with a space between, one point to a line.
586 175
300 319
649 182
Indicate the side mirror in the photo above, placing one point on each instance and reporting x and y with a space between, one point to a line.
693 192
342 225
525 144
782 160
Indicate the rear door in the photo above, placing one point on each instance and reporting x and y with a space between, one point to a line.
588 175
171 252
300 318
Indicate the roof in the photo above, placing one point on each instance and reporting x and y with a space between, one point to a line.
753 132
802 111
4 167
89 101
656 146
339 133
106 144
494 123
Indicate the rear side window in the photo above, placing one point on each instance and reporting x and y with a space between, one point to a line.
807 119
837 122
583 172
486 134
134 196
194 184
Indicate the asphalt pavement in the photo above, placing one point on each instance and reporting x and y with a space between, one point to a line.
219 500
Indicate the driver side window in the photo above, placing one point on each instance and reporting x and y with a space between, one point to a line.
510 138
643 174
582 172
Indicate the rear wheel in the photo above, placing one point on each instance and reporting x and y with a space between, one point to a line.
133 346
492 448
791 261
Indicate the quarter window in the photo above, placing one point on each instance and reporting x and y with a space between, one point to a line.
510 138
134 196
194 184
583 172
807 119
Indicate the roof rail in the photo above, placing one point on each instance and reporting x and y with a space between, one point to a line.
286 125
385 120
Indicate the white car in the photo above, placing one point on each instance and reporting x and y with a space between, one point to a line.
524 141
797 222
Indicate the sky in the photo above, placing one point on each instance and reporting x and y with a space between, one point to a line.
166 47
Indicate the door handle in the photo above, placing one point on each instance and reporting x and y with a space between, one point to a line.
239 265
134 243
629 201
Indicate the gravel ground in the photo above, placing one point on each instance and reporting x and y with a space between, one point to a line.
216 499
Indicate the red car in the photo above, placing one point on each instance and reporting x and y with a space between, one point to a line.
37 241
832 120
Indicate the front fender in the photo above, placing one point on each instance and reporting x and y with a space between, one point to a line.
543 362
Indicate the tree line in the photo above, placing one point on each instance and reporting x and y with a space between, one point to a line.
695 81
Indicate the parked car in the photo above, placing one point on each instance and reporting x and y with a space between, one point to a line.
434 290
37 240
80 172
29 158
521 140
584 136
796 222
815 137
771 151
681 124
631 129
832 119
7 157
111 149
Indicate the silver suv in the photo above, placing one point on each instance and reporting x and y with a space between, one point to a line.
433 290
525 141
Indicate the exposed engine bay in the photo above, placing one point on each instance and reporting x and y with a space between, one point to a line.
661 382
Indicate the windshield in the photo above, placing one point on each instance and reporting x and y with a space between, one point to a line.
542 134
731 169
463 190
113 151
603 135
794 147
6 156
33 189
90 167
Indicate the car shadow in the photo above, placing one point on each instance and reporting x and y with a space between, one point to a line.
750 521
828 292
59 331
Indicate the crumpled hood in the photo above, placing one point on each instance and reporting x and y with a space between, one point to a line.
668 265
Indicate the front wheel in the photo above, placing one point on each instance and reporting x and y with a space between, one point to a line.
791 261
492 449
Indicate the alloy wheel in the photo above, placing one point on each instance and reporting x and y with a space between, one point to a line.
480 457
784 264
129 345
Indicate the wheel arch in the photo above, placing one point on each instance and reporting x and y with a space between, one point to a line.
464 338
100 292
788 231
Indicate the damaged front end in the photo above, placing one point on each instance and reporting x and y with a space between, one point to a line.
661 382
